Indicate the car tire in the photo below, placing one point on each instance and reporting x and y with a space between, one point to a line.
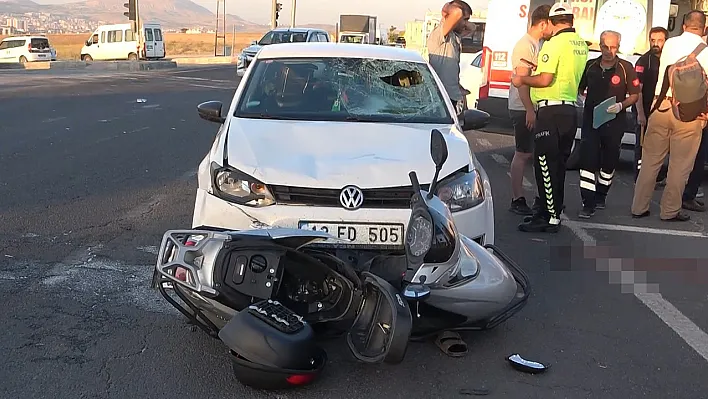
86 58
573 162
23 59
132 57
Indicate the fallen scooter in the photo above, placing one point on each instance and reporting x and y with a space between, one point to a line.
267 295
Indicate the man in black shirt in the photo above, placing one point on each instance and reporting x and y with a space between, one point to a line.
605 76
647 68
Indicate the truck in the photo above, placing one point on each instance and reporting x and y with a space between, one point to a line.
357 29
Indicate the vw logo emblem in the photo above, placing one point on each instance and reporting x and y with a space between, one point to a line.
351 198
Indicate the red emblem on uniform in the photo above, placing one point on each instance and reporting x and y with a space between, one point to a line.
635 82
615 80
639 68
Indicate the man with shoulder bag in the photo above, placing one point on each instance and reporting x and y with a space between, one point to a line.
677 117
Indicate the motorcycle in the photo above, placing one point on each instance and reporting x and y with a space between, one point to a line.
268 295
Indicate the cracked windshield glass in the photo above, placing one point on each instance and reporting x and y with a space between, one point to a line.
343 89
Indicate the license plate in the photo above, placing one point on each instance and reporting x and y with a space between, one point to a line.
379 235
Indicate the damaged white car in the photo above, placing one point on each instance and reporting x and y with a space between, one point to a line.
322 136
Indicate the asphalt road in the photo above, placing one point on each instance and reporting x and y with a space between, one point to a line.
90 178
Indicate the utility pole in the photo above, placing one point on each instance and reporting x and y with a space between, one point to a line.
292 15
273 12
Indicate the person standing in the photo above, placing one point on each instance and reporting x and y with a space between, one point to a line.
647 69
605 76
522 112
554 90
444 46
665 133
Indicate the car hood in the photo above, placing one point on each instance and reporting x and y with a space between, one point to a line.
336 154
252 49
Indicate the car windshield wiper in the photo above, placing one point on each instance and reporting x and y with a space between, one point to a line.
266 116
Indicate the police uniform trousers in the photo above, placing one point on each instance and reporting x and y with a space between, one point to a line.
554 132
599 155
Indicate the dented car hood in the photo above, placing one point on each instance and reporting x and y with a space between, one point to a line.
337 154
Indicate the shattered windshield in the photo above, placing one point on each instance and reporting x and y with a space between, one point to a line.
343 89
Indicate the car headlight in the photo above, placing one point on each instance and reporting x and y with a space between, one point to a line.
235 186
461 192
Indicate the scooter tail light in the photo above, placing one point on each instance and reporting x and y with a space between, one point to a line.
181 274
300 379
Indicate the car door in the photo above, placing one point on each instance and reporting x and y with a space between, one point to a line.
149 43
382 328
158 43
100 50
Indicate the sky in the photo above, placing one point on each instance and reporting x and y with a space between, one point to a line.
327 11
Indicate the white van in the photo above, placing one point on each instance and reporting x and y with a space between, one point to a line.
26 49
119 42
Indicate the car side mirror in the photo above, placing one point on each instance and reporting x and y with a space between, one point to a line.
211 111
473 119
254 42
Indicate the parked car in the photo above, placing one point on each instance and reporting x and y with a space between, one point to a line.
280 35
322 136
21 49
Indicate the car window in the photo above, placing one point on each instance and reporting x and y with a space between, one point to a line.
477 61
158 35
103 37
343 89
148 35
324 37
475 42
3 45
129 35
40 44
115 36
266 39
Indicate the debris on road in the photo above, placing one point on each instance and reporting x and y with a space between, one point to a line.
141 100
526 366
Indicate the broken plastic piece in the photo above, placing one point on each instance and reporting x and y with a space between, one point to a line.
527 366
141 100
474 392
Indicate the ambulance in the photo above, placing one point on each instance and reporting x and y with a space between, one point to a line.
507 22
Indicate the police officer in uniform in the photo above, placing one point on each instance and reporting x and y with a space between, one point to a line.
605 76
554 91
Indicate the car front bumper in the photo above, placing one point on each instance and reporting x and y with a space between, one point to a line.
477 223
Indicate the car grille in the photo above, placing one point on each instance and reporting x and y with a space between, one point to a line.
391 197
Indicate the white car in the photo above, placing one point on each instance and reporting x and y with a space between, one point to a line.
323 136
21 49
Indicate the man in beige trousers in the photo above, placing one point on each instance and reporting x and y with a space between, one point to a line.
666 134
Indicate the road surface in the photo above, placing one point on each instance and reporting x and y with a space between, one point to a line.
90 178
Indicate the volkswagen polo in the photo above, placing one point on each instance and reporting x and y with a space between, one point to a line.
322 136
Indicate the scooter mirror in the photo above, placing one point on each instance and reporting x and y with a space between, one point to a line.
527 366
438 148
417 292
438 151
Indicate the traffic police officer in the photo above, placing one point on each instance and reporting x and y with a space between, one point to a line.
554 91
605 77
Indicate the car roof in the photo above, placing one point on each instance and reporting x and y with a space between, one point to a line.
296 30
23 37
338 50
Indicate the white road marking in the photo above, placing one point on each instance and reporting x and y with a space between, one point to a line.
213 87
651 298
526 183
639 229
500 159
648 294
484 143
